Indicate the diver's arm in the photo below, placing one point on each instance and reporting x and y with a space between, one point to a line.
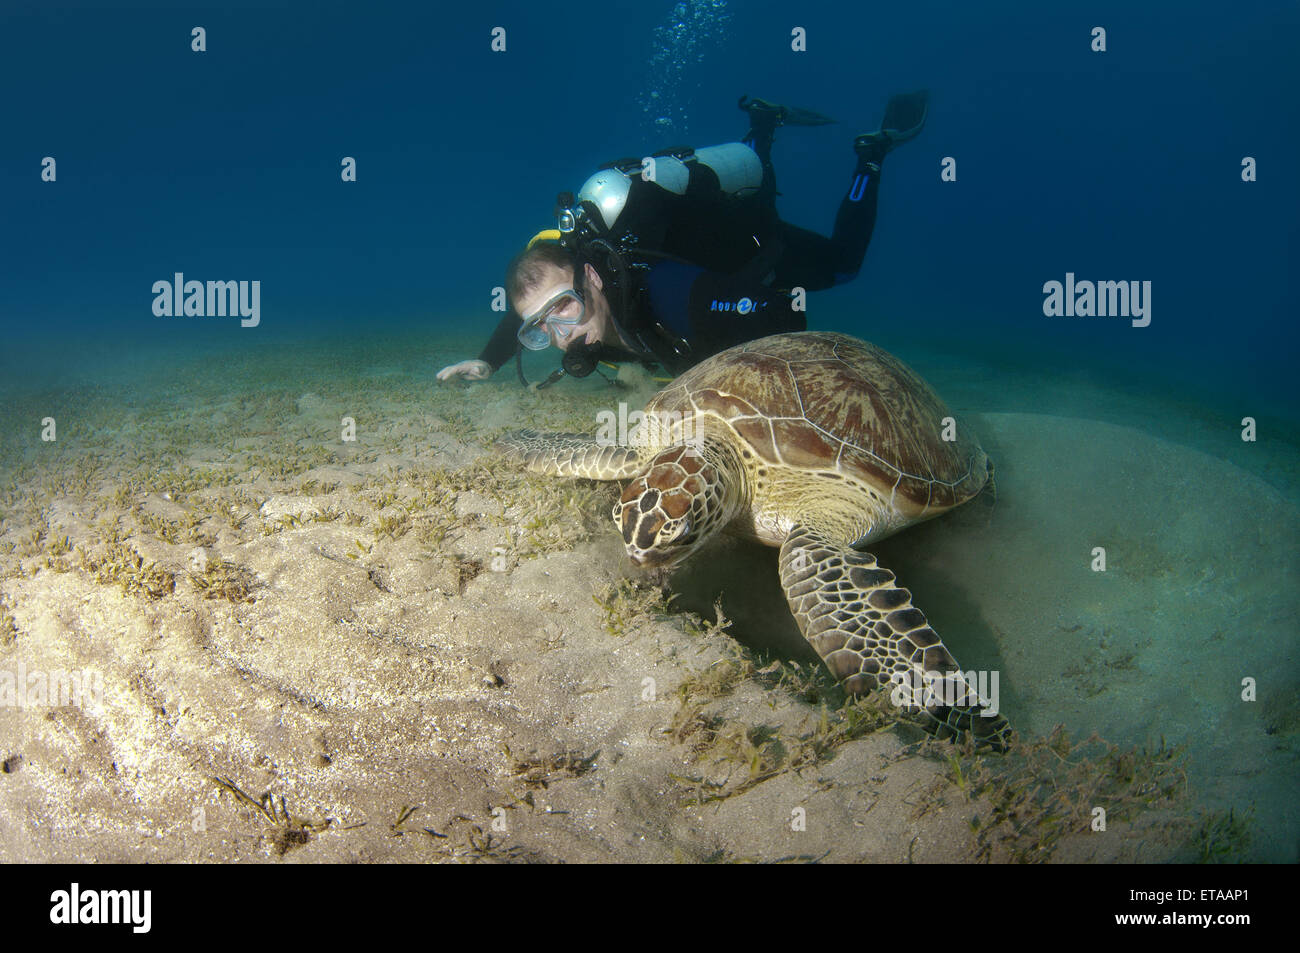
500 348
504 341
471 370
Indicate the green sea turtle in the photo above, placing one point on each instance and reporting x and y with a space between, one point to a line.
817 443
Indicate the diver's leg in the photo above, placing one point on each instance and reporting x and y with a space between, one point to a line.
807 259
856 218
763 120
813 262
904 119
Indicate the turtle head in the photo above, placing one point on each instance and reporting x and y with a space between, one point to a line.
673 506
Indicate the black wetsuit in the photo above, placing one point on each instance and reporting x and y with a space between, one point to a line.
748 260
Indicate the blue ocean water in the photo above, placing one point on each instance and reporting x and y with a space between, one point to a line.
1116 165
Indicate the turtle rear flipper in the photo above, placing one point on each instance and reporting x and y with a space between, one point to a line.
870 636
571 455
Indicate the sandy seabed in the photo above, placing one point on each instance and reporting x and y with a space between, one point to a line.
399 648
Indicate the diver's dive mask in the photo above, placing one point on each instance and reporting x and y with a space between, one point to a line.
562 312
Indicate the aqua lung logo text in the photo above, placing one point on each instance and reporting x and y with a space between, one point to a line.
742 306
212 299
134 907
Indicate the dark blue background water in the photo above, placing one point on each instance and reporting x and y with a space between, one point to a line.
225 164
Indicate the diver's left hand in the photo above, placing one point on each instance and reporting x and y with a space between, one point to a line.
471 370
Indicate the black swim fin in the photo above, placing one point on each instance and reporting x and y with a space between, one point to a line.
905 115
904 118
783 115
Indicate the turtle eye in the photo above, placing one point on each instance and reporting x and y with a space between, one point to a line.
682 531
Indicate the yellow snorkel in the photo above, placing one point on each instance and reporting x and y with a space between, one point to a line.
545 235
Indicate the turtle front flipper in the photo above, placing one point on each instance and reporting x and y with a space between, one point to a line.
869 634
571 455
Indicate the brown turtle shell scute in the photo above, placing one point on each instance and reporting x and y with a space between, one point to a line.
824 401
804 446
757 432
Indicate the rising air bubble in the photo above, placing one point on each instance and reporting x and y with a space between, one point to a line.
677 45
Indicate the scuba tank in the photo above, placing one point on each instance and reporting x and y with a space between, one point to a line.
699 205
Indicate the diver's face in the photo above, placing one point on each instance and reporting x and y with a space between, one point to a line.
595 320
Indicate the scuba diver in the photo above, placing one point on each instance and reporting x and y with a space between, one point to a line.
671 259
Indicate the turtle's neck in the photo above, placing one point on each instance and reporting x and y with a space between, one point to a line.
730 492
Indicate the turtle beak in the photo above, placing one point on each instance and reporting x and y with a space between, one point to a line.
653 559
645 560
